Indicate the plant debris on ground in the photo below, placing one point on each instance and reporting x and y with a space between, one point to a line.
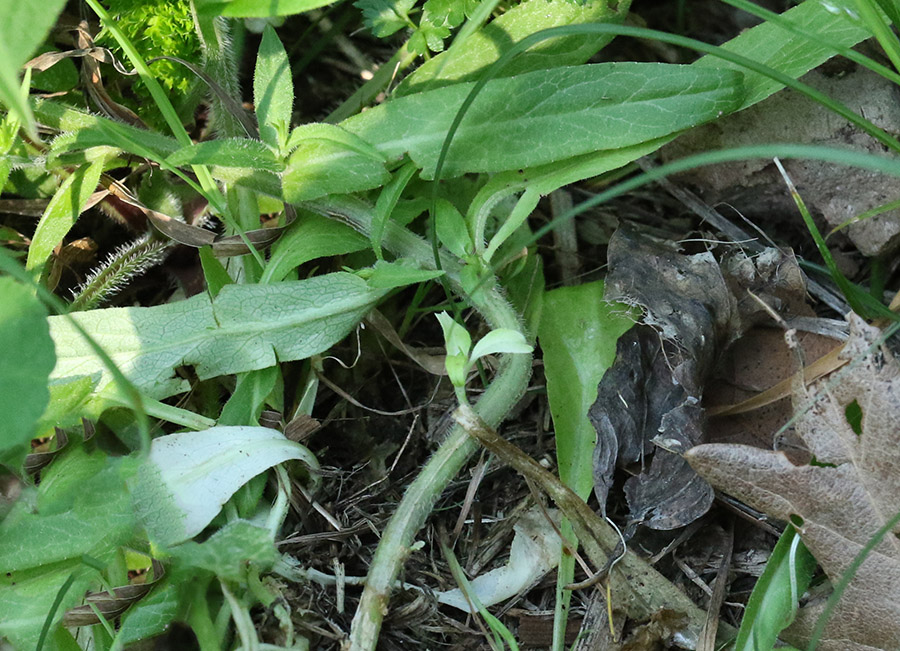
449 324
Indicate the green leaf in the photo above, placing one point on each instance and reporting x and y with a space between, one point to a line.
82 130
22 30
260 8
549 115
501 340
98 520
273 90
310 237
486 45
387 202
150 616
246 403
187 477
227 552
794 54
388 275
68 403
328 160
456 338
227 152
26 600
452 230
385 17
213 271
246 327
27 360
773 602
578 334
62 212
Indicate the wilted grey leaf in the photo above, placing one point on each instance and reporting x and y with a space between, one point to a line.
694 307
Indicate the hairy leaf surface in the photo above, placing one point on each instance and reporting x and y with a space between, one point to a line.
548 115
246 327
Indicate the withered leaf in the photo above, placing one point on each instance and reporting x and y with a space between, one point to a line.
851 493
112 604
694 307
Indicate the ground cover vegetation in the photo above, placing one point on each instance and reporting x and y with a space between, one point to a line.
461 323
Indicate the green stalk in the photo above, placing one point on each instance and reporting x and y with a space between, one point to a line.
500 397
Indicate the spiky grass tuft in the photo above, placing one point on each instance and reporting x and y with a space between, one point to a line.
120 267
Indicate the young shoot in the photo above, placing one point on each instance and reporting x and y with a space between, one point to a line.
461 356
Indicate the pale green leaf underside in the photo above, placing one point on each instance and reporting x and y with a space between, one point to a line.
247 327
548 115
189 476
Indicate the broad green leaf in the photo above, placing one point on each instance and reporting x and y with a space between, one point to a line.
150 616
226 553
794 56
246 327
328 159
26 600
388 275
548 115
310 237
773 602
62 212
22 30
273 90
187 477
63 76
260 8
99 520
27 360
578 334
485 46
227 152
68 403
787 52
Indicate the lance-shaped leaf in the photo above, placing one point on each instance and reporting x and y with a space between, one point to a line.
246 327
273 89
189 476
547 115
844 499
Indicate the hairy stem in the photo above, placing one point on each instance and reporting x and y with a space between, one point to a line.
496 402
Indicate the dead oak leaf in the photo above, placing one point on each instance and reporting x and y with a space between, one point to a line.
844 502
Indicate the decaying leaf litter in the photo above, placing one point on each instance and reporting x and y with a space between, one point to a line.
696 295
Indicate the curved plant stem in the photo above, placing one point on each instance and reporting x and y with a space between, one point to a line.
496 402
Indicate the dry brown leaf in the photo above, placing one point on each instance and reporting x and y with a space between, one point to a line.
844 502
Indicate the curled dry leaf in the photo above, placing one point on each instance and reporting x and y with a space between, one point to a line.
852 492
694 307
114 603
